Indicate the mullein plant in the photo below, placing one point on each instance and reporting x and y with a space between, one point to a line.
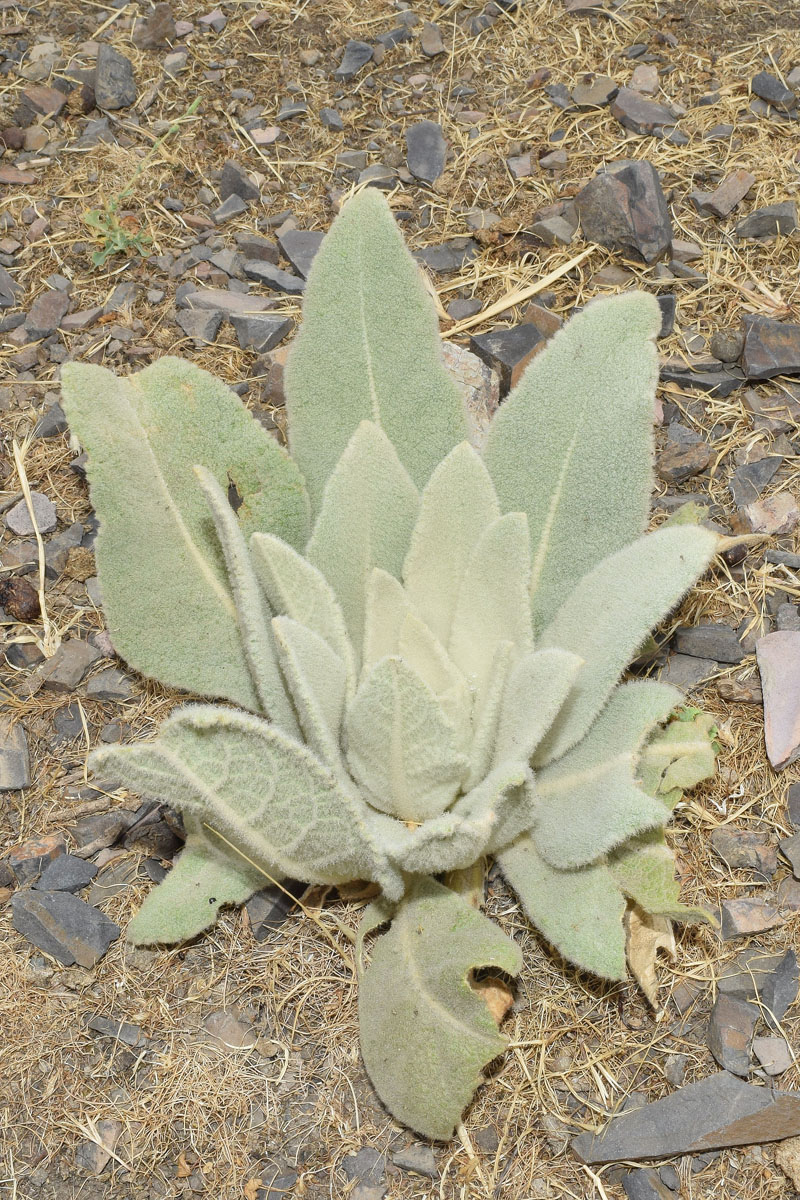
413 649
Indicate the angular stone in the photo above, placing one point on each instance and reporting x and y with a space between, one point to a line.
789 895
668 305
594 92
480 386
645 1184
114 83
788 617
459 310
95 1155
778 656
555 160
553 231
724 198
770 979
251 245
46 314
770 347
8 289
18 518
768 87
234 206
331 119
779 514
508 351
121 1031
274 278
773 1054
679 461
740 918
111 684
261 333
624 207
63 926
378 175
291 108
300 246
742 849
520 165
769 221
716 383
730 1032
426 150
66 873
431 42
417 1160
719 1111
710 640
15 766
634 111
793 804
726 345
155 29
234 181
748 482
229 1031
356 55
200 324
29 858
687 672
229 303
113 880
790 848
268 909
368 1166
67 667
451 256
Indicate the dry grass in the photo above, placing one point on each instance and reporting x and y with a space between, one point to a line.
578 1048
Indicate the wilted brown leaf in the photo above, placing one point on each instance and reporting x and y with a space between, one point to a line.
646 935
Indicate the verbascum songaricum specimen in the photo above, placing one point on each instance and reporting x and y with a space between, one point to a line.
418 646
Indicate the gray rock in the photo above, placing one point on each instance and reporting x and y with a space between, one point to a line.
748 482
290 108
8 289
431 42
15 766
634 111
793 803
18 519
719 1111
200 324
251 245
768 87
156 29
234 181
778 656
670 1177
417 1159
687 672
451 256
730 1032
52 423
356 55
426 150
368 1166
726 345
68 666
645 1184
121 1031
229 303
508 351
668 304
740 918
594 92
46 314
300 247
624 208
773 1054
675 1068
459 310
769 221
331 119
679 461
742 849
110 684
269 908
716 383
274 277
553 231
788 617
770 347
378 175
790 848
234 206
724 198
67 873
63 926
261 333
114 83
711 640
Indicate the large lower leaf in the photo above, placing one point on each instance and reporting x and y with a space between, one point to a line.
368 350
165 592
264 793
367 514
610 612
644 868
206 876
537 686
579 912
573 444
426 1035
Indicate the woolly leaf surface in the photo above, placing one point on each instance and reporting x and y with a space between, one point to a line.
317 679
205 876
644 868
165 594
252 610
538 685
401 747
678 757
456 508
579 912
367 514
589 800
486 716
368 350
264 793
609 613
572 446
424 653
386 608
426 1035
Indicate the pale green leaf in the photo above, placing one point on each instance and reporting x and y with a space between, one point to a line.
572 446
579 912
368 350
426 1035
264 793
317 679
400 745
386 608
644 868
493 602
165 593
205 876
607 616
296 589
367 514
538 685
678 757
486 715
589 800
423 652
456 508
252 610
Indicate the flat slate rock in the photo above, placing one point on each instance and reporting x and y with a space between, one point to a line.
260 331
624 207
450 256
18 518
768 222
67 873
63 926
770 347
646 1184
356 55
15 766
724 198
634 111
745 916
716 383
508 350
274 277
768 87
778 656
771 979
717 1112
234 181
218 299
710 640
300 246
114 83
730 1033
743 849
748 482
268 908
426 150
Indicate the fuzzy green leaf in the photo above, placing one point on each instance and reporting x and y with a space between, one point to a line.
368 350
368 511
493 603
205 876
165 593
537 687
317 679
589 801
678 756
572 446
644 868
264 793
252 610
456 508
579 912
296 589
425 1033
401 747
608 615
386 608
486 716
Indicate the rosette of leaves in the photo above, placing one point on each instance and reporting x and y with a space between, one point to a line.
418 646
